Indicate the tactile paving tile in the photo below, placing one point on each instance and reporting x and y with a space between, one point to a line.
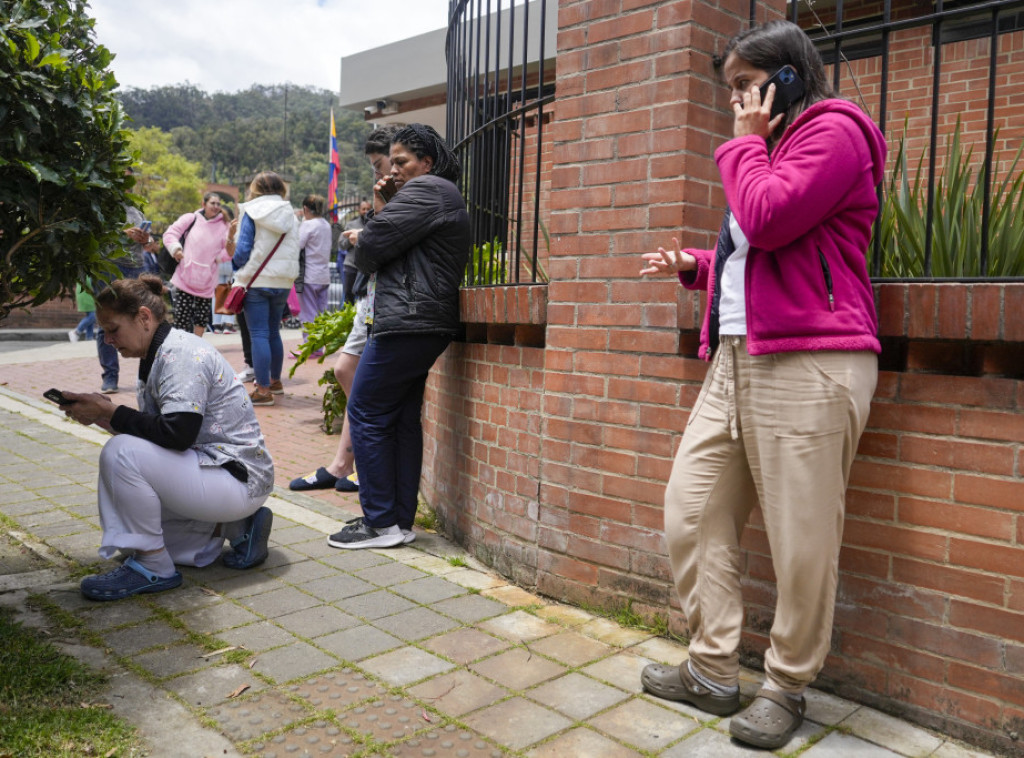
385 719
245 719
338 690
446 742
318 739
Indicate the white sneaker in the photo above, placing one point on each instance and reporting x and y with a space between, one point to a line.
357 534
246 375
74 336
409 536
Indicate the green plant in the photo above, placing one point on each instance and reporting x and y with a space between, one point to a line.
457 561
327 333
50 704
486 264
63 153
334 401
956 220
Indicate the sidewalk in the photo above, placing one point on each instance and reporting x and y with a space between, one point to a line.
414 651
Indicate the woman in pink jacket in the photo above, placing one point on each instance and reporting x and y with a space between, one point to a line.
197 241
790 331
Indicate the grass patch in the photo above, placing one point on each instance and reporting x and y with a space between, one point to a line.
426 519
44 701
625 616
457 561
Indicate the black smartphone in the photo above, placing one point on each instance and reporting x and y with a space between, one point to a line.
56 396
789 88
388 189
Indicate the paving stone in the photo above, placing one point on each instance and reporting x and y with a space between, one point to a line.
295 533
279 602
293 661
281 556
338 690
405 666
446 741
954 750
134 639
213 686
582 742
248 717
415 624
663 651
315 548
385 719
458 693
358 643
572 649
827 709
174 660
610 632
470 609
109 615
621 670
708 743
353 560
466 645
302 572
519 626
211 619
257 637
375 605
644 725
891 732
187 598
432 564
804 734
429 590
389 573
244 584
514 596
839 745
517 723
317 621
518 669
331 589
577 696
475 580
319 738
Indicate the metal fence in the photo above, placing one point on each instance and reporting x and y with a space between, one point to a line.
498 88
860 39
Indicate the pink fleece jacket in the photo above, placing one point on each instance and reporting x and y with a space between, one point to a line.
806 210
205 248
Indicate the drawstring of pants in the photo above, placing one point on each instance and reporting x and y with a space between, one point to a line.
729 345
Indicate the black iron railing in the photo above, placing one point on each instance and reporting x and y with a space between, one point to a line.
498 89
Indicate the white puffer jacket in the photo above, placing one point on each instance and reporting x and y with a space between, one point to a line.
272 216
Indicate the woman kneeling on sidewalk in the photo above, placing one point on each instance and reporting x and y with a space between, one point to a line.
186 471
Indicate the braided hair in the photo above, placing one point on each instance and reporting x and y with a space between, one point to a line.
424 141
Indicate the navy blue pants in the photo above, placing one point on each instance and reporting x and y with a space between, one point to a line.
108 353
384 419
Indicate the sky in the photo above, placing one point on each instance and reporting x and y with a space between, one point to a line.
229 45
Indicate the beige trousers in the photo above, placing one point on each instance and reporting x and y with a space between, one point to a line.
782 430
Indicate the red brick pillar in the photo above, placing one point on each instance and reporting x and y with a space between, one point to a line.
639 111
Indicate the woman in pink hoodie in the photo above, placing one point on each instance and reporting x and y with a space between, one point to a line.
197 241
791 333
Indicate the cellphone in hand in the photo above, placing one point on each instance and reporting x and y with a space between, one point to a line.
388 189
789 88
146 226
56 396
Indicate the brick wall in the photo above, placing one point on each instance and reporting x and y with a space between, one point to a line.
56 314
551 429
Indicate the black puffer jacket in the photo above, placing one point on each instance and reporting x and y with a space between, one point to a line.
418 245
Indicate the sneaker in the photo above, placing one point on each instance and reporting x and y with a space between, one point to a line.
251 549
358 534
74 336
130 578
409 536
246 375
276 388
109 387
261 396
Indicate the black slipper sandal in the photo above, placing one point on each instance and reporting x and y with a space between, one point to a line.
321 479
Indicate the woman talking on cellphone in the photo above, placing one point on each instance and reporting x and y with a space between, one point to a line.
790 331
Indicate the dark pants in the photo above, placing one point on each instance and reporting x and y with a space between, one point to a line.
243 331
384 419
108 353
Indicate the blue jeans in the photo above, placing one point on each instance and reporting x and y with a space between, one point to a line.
384 419
107 353
87 324
264 308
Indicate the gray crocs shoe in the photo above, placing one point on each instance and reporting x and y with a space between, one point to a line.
769 721
676 683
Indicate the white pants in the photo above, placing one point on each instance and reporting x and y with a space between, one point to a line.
151 497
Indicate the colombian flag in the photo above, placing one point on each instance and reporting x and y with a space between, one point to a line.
334 169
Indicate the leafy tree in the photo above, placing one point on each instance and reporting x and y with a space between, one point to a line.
63 152
170 183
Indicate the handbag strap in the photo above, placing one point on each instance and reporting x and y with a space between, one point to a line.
265 261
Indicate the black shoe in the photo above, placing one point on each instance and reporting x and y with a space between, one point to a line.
252 549
358 534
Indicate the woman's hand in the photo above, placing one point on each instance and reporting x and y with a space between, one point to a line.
753 116
89 408
178 254
352 235
668 261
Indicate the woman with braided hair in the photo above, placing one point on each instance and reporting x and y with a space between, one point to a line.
414 247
